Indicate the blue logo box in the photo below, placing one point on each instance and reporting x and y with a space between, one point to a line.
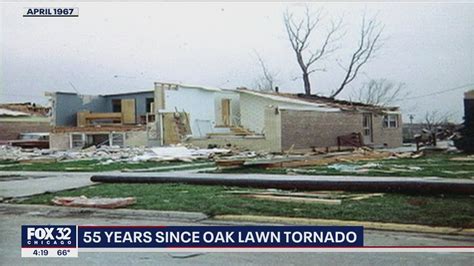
48 236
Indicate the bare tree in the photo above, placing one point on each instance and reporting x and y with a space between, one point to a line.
381 92
299 32
266 82
369 43
434 120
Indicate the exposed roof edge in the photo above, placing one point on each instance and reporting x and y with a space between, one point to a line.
311 108
322 102
49 94
285 99
191 86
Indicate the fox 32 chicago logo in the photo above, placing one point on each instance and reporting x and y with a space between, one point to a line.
48 236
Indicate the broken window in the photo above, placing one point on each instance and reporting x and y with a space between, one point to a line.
116 106
77 140
117 139
149 105
390 121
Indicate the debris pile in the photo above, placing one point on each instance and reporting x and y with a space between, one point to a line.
360 154
109 154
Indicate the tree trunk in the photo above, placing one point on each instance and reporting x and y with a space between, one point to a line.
307 85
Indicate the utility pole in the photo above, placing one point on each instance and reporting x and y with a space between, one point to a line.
411 117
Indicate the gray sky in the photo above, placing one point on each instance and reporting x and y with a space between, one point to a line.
118 47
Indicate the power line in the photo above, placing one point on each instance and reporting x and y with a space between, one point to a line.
73 87
436 93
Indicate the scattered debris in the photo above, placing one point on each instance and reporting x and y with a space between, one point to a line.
83 201
109 154
286 161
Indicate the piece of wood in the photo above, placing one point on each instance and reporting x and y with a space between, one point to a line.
318 194
230 164
81 118
170 130
366 196
225 112
128 111
97 116
185 126
296 199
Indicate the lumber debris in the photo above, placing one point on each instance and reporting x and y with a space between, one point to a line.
83 201
287 161
325 197
296 199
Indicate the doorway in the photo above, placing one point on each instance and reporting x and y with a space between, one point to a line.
226 112
367 128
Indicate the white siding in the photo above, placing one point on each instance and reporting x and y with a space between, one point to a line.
202 106
252 110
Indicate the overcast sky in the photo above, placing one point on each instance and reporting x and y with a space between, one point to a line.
119 47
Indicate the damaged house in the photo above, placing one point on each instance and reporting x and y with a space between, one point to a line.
203 116
21 120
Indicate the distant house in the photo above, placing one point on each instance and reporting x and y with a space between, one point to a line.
203 116
20 118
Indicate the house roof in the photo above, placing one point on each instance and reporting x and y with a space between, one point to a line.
104 95
22 109
319 101
127 93
207 88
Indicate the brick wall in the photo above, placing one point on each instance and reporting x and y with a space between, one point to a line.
306 129
252 111
389 137
11 129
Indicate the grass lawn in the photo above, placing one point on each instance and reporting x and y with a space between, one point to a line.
448 210
91 166
432 165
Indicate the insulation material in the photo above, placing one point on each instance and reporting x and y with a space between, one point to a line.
6 112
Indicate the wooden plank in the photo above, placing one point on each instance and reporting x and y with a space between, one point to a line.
128 111
186 122
296 199
170 131
225 112
111 116
81 118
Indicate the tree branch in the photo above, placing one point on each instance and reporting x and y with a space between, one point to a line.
369 43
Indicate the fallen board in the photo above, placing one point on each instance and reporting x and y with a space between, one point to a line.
295 199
